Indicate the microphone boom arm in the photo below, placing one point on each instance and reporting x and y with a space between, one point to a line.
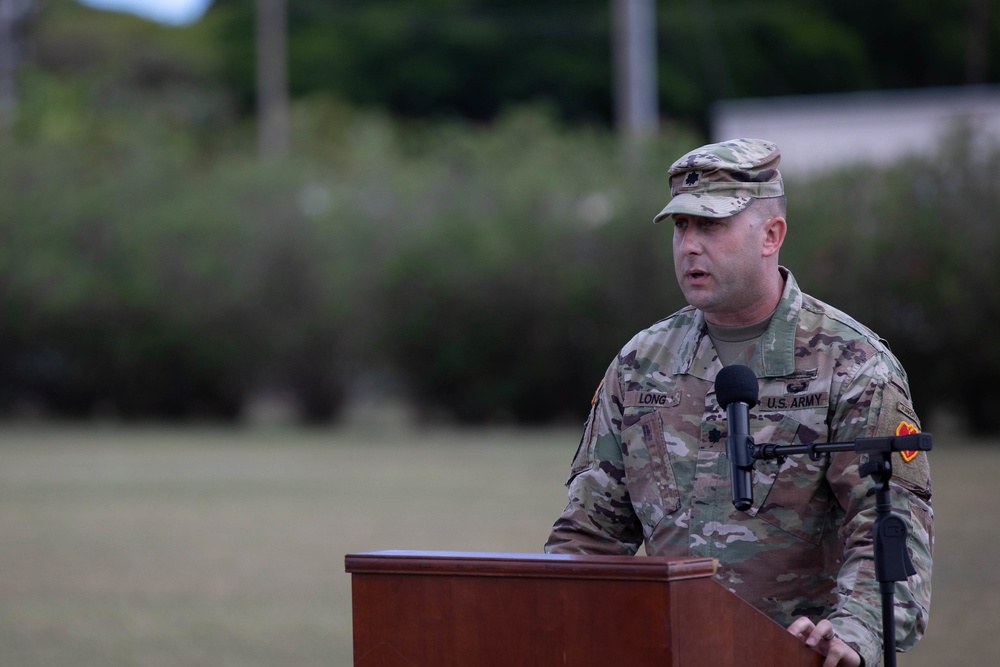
878 445
892 560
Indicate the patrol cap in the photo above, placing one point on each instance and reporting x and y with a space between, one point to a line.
720 180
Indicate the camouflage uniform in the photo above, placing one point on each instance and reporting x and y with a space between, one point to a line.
651 469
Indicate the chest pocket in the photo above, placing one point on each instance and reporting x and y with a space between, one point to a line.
792 495
650 476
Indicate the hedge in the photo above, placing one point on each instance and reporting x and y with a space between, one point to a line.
489 272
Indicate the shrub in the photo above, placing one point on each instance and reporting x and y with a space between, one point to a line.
493 271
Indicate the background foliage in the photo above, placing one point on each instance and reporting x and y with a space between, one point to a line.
475 58
152 266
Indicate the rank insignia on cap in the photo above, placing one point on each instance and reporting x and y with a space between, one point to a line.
906 428
692 179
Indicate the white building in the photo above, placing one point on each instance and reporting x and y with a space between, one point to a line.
818 132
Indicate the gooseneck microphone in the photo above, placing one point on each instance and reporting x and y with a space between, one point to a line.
736 389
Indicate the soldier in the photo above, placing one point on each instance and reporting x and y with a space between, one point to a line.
651 468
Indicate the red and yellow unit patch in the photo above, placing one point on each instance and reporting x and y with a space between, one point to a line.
906 428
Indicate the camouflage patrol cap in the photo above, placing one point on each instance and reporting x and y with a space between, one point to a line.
720 180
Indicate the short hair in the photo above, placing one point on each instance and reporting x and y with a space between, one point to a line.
771 206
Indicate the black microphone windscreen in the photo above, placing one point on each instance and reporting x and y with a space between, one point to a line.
736 384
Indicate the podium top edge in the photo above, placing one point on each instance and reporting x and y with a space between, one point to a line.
492 564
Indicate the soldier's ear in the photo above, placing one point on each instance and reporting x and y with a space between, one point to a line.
774 235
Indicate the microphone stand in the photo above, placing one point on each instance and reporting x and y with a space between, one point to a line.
892 560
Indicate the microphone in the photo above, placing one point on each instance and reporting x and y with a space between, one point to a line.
736 390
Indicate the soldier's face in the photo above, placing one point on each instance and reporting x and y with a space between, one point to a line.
719 267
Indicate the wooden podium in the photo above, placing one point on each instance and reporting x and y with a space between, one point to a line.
440 609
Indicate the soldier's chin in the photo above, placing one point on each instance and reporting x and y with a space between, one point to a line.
698 297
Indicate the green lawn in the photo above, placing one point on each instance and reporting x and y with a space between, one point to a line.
124 546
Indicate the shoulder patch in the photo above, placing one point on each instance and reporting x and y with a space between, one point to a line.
897 417
896 410
906 428
909 466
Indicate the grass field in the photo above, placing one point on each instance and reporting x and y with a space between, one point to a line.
149 547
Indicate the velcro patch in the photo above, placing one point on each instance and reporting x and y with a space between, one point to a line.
906 428
692 180
811 401
913 470
652 399
907 411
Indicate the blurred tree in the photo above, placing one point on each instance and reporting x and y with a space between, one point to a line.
977 44
145 260
467 58
124 62
474 58
13 16
911 45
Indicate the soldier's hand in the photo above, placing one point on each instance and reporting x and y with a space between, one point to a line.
821 637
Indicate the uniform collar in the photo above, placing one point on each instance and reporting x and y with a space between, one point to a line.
775 356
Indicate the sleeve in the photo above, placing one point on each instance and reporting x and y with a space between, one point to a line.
598 518
877 403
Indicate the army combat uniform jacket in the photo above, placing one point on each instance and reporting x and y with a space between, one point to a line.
652 469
